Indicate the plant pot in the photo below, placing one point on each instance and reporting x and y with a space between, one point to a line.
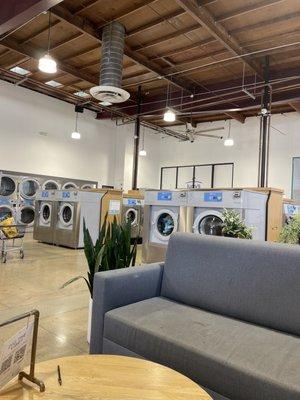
89 325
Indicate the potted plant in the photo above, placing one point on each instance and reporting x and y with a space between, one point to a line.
112 250
290 233
234 226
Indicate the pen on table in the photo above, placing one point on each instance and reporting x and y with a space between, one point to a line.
59 375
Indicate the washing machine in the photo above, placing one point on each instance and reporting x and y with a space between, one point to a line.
205 208
8 188
164 213
28 188
73 207
133 211
51 184
45 216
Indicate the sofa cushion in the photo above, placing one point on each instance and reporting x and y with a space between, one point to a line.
234 358
254 281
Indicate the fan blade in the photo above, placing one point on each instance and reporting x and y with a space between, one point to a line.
209 130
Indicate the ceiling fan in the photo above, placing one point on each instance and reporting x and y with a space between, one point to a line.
192 132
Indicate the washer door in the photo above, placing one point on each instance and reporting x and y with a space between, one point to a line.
209 223
165 223
66 214
26 215
69 185
50 185
45 213
6 212
87 186
7 186
28 188
132 216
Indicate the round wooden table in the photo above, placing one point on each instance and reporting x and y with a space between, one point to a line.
105 377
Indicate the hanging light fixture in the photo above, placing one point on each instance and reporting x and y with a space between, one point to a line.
47 63
75 134
143 152
229 141
169 115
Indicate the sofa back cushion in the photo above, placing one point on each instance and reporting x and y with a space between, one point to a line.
257 282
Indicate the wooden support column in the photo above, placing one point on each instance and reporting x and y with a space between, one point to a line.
136 141
264 140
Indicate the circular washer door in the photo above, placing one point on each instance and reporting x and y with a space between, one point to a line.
131 215
7 186
27 215
66 214
166 222
70 185
87 186
209 223
6 212
50 185
28 188
45 213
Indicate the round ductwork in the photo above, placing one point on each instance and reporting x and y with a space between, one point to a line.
110 89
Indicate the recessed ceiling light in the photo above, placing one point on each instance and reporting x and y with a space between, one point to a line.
105 103
82 94
20 70
53 84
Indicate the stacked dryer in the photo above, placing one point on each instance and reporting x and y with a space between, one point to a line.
8 196
164 213
28 188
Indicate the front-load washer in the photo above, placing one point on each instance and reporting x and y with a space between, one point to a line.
28 188
45 216
50 184
69 186
204 213
8 188
73 208
133 211
164 213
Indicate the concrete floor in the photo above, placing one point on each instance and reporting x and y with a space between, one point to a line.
35 282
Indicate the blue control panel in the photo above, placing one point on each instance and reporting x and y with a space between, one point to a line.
132 202
66 195
165 196
213 196
45 194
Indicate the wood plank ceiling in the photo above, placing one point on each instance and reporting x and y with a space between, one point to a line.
200 52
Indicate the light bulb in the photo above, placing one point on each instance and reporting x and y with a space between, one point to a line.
105 103
169 116
228 142
143 153
47 64
75 135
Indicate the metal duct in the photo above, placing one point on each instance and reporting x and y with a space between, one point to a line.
109 89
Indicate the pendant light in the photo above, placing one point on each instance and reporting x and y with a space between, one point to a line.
169 115
76 135
143 152
47 63
229 141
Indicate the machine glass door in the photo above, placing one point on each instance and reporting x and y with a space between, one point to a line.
165 224
45 214
28 188
7 186
70 185
209 224
50 185
132 216
66 214
5 212
27 215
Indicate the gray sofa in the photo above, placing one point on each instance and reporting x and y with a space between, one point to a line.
224 312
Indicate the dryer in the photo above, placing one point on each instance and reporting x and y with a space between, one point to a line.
8 188
45 216
26 213
7 209
164 213
51 184
73 207
205 208
28 188
69 186
133 211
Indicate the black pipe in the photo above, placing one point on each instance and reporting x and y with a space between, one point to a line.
136 141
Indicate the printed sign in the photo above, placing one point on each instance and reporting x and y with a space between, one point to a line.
165 196
213 196
45 193
66 195
14 353
114 207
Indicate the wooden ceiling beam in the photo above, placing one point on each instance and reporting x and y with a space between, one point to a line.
155 23
63 42
40 32
16 63
204 18
86 7
85 26
165 38
296 106
237 116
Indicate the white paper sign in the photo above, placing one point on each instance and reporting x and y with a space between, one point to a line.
114 207
14 353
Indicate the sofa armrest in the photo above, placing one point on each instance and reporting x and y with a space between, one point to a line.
118 288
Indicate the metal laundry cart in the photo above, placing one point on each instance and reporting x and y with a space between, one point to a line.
11 244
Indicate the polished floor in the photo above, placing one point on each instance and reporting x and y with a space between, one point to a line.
35 282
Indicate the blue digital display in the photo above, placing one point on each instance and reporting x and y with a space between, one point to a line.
132 202
165 196
66 195
213 196
45 193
